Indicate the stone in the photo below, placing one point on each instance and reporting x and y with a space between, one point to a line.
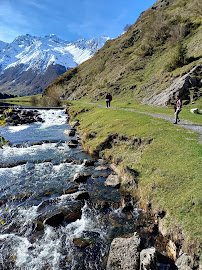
113 181
148 259
80 178
88 163
82 195
81 243
184 262
74 124
171 250
194 110
179 85
73 143
100 174
101 168
124 253
55 220
70 132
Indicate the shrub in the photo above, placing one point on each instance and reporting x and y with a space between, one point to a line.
178 58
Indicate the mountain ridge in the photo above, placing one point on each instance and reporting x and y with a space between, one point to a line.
32 56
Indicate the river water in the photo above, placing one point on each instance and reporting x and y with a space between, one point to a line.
36 183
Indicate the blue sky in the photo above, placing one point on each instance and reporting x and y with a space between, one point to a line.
68 19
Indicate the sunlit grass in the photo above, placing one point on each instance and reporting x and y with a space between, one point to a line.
169 168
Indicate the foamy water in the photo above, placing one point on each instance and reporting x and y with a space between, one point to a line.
32 188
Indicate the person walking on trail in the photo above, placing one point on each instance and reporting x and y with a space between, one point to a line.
108 99
177 108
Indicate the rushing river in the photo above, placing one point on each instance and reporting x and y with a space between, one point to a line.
36 183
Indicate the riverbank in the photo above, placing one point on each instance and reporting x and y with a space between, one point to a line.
159 163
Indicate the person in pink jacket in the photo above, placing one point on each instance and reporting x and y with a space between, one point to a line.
177 108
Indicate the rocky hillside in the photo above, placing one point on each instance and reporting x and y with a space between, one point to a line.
158 56
30 63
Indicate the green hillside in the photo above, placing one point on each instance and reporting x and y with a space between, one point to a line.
161 47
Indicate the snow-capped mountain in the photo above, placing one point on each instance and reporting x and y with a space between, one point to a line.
30 63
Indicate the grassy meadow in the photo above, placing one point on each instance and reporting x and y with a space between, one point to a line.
169 168
34 100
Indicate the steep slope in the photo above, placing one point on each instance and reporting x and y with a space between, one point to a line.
158 50
30 63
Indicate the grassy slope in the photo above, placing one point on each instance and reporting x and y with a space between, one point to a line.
169 168
134 65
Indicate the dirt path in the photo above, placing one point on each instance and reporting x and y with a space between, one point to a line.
183 123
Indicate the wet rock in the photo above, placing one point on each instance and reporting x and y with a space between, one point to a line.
55 220
81 243
126 203
8 165
113 181
82 195
37 143
71 132
73 215
88 163
80 178
148 259
101 168
104 205
101 174
39 226
184 262
3 201
74 124
48 160
71 191
73 143
124 253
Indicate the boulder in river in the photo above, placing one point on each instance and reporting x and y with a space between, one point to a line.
73 143
124 253
70 132
113 181
74 124
184 262
148 259
81 243
80 178
88 163
55 220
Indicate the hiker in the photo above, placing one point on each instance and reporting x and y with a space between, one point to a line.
177 108
108 99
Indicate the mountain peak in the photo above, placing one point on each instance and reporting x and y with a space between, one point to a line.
34 55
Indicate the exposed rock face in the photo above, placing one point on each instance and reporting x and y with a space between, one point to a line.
148 259
124 253
113 181
181 85
184 262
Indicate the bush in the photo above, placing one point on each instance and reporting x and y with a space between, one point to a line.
178 58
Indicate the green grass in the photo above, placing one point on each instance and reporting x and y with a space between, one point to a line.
185 114
169 168
24 101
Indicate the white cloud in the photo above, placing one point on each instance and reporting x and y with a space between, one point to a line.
34 3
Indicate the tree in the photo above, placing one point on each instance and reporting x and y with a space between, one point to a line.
125 29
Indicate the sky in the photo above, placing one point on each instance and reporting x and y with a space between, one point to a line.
68 19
